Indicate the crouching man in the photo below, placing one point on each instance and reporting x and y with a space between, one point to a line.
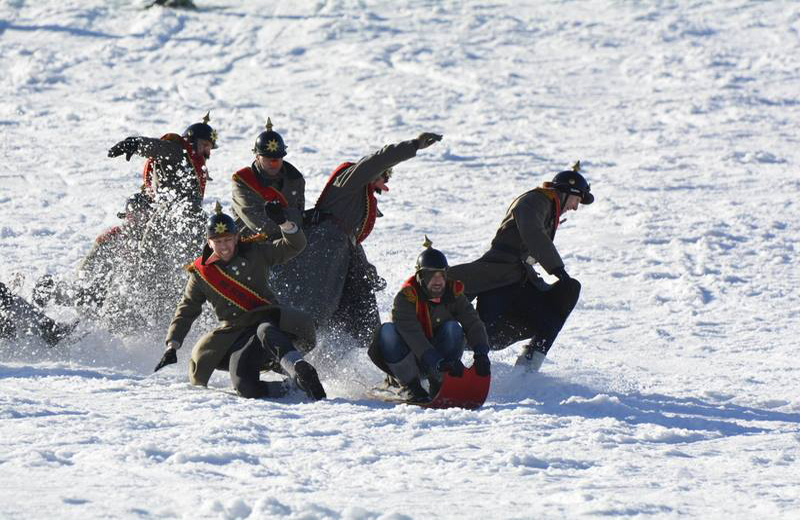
255 331
514 302
426 337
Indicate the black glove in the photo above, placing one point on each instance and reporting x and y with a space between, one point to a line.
128 147
481 364
561 274
275 212
426 139
455 367
170 357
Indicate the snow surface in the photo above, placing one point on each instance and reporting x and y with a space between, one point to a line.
671 392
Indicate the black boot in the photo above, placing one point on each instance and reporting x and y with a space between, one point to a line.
413 392
54 332
308 380
533 354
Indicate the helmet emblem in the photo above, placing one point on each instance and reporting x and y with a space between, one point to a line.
220 228
272 146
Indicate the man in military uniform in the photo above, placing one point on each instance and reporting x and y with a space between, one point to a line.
430 318
175 169
255 330
513 300
18 317
175 177
332 279
163 227
270 177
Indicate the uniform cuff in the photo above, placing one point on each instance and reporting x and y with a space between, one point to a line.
289 227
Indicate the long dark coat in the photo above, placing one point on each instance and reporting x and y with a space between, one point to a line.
332 277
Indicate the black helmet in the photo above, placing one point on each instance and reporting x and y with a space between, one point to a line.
220 224
202 131
269 143
570 181
431 259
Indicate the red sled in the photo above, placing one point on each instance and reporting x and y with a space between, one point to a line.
468 391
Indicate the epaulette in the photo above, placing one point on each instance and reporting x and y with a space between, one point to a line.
260 237
108 235
410 294
171 137
236 176
189 268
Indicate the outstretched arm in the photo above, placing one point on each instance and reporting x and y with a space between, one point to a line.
292 241
369 168
147 147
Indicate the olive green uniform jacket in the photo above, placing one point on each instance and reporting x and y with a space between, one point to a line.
249 266
525 237
248 206
454 305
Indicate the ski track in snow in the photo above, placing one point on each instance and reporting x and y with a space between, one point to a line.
671 391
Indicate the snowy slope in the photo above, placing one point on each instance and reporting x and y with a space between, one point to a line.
672 391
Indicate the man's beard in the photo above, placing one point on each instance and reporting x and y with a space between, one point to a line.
434 293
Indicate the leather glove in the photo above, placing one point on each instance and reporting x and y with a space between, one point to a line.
128 147
170 357
426 139
455 367
561 274
482 364
275 212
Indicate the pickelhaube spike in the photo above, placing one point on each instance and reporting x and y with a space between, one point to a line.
207 117
577 166
217 208
269 124
427 243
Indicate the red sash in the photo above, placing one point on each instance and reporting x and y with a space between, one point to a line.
423 312
553 195
411 293
227 287
198 162
371 213
108 234
268 193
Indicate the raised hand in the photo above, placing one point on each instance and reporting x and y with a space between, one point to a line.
128 146
426 139
275 212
